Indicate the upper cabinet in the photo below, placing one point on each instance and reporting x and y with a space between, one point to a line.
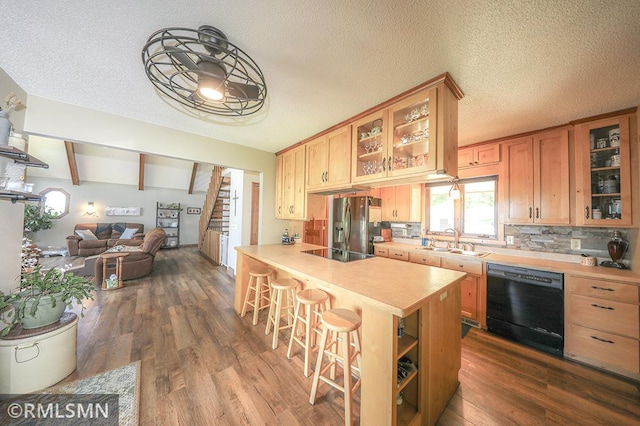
329 160
478 155
415 139
290 188
603 172
402 203
537 179
413 135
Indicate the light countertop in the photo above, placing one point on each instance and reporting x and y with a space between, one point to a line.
525 261
396 287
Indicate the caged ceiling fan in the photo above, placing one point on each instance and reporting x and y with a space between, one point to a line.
203 70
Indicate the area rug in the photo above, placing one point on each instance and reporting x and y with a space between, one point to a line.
123 381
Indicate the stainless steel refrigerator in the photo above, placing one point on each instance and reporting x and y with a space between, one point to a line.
356 220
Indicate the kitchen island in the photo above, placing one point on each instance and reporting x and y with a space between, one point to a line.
427 299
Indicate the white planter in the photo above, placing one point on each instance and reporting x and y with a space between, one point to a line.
32 363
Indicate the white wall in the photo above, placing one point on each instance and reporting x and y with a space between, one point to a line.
240 212
69 122
109 194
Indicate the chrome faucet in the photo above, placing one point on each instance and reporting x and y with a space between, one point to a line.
456 238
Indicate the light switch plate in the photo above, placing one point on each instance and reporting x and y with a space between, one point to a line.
509 239
575 244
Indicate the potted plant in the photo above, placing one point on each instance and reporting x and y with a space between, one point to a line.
37 218
42 297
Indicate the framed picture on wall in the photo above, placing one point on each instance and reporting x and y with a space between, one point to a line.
194 210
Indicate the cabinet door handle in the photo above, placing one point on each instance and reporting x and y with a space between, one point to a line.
389 163
586 210
537 212
279 209
595 287
530 213
602 340
384 162
603 307
326 176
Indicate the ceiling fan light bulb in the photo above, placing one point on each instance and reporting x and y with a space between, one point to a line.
210 93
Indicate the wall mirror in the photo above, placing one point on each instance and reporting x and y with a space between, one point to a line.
58 200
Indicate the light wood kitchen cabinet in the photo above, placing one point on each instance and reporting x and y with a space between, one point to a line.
398 254
290 190
329 160
602 320
472 300
401 203
380 251
424 258
603 172
479 155
537 184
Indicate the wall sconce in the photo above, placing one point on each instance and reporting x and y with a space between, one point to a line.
454 192
90 210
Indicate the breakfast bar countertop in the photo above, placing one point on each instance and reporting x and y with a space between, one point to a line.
396 287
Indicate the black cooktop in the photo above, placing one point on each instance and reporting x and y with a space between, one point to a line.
337 254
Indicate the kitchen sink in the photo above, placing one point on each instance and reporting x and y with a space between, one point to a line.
467 252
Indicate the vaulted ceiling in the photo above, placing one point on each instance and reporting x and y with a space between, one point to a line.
523 65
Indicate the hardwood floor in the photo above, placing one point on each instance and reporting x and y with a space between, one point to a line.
202 364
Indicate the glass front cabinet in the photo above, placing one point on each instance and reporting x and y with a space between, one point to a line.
413 135
404 141
603 167
369 156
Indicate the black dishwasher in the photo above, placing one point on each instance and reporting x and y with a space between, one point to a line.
527 306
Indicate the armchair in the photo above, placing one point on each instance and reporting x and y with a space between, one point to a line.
139 262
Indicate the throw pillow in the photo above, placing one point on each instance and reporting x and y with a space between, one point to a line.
128 233
86 234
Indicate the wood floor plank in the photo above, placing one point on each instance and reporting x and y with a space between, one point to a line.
202 364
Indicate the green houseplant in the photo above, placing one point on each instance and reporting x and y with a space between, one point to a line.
42 297
37 218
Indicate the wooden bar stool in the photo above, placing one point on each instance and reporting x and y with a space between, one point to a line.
282 287
336 321
310 304
260 284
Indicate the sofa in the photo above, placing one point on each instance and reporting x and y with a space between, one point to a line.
138 262
105 236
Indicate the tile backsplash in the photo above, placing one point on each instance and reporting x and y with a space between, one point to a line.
557 239
547 239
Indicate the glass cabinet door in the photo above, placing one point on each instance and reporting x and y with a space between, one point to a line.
369 148
413 135
606 180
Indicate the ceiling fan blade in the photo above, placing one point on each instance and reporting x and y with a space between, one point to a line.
243 91
183 58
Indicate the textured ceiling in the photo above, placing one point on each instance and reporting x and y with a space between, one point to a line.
523 65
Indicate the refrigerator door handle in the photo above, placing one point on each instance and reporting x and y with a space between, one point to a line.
347 224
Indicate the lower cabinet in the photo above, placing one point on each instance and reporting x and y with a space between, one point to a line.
381 251
602 324
424 258
398 254
473 299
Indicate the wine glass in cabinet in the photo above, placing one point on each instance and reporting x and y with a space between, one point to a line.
369 156
412 134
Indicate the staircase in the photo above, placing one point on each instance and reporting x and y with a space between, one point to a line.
214 220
